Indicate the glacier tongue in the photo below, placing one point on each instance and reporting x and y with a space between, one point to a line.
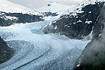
35 49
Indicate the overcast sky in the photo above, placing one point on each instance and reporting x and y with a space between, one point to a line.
35 4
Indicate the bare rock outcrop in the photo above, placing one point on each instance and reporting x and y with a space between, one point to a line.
5 52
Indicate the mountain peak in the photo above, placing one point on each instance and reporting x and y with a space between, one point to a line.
7 6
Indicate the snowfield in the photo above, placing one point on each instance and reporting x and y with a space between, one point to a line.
53 7
10 7
38 51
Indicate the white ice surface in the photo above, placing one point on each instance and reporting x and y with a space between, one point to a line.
38 44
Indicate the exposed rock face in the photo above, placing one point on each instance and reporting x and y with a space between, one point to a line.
7 19
5 52
93 57
49 13
78 24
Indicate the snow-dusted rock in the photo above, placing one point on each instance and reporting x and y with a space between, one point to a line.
11 13
79 23
7 19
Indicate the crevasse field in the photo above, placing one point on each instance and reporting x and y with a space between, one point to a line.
35 50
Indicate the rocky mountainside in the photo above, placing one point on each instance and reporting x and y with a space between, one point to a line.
5 52
7 19
79 24
93 56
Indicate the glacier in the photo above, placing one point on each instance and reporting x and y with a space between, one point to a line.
35 50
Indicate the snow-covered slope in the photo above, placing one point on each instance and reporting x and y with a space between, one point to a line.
53 7
7 6
77 8
65 9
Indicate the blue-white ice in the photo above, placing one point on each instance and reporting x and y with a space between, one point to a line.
34 48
